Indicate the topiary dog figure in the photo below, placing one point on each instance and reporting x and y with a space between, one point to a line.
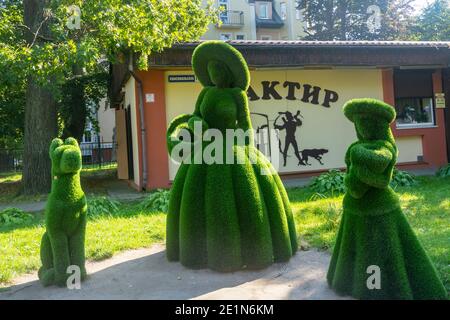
65 216
374 234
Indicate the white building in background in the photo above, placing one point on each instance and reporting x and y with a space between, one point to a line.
257 20
104 139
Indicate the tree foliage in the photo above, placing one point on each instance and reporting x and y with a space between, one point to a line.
434 22
356 19
57 56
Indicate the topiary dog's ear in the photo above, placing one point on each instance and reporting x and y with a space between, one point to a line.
55 144
71 141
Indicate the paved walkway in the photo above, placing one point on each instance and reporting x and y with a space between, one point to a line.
146 274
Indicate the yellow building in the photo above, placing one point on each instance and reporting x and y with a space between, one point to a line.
257 20
307 80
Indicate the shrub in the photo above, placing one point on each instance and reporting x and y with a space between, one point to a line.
402 179
157 201
444 171
10 216
101 206
329 182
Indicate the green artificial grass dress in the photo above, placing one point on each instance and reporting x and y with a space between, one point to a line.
373 230
225 215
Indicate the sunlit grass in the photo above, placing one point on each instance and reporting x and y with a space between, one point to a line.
105 236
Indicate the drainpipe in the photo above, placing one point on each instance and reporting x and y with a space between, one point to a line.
142 121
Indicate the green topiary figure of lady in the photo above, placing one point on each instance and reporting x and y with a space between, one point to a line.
65 216
226 216
377 255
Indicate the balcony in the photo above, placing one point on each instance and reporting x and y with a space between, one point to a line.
231 19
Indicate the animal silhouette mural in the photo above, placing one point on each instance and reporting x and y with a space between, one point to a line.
290 125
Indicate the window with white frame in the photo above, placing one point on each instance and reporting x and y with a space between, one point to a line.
240 36
264 10
283 10
414 102
226 36
224 6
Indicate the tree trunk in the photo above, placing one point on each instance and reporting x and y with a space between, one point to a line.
40 114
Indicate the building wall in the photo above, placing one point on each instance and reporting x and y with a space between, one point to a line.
106 121
214 31
292 29
323 128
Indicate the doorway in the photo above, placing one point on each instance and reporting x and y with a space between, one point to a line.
129 136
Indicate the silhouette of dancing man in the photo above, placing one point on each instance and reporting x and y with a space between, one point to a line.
290 124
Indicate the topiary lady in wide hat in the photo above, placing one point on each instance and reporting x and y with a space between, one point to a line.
226 216
377 255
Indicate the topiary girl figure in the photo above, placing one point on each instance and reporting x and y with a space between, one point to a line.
377 255
226 216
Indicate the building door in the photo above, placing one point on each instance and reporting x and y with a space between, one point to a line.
129 142
122 149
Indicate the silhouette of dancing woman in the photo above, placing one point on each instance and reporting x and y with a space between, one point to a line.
290 124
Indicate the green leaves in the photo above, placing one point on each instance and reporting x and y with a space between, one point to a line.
444 171
101 206
329 182
157 201
402 179
11 216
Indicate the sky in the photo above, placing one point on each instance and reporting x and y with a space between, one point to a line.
420 4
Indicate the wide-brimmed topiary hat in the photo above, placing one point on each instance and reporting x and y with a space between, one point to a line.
376 109
223 52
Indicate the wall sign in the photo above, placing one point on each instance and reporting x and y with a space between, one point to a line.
182 78
440 100
305 92
149 97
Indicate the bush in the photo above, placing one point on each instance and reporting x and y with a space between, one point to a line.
402 179
101 206
157 201
329 182
444 171
14 216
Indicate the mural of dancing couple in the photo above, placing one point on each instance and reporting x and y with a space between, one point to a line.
288 123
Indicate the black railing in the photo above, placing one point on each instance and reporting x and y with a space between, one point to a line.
232 18
94 154
98 154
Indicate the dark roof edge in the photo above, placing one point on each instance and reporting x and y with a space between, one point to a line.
305 43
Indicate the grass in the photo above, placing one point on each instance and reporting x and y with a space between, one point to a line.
93 180
105 235
426 205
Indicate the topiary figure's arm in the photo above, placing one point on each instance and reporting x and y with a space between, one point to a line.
371 164
375 156
243 113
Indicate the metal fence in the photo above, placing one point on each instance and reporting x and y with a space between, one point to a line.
94 154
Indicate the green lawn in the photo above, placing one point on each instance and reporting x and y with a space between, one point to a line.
427 206
93 180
